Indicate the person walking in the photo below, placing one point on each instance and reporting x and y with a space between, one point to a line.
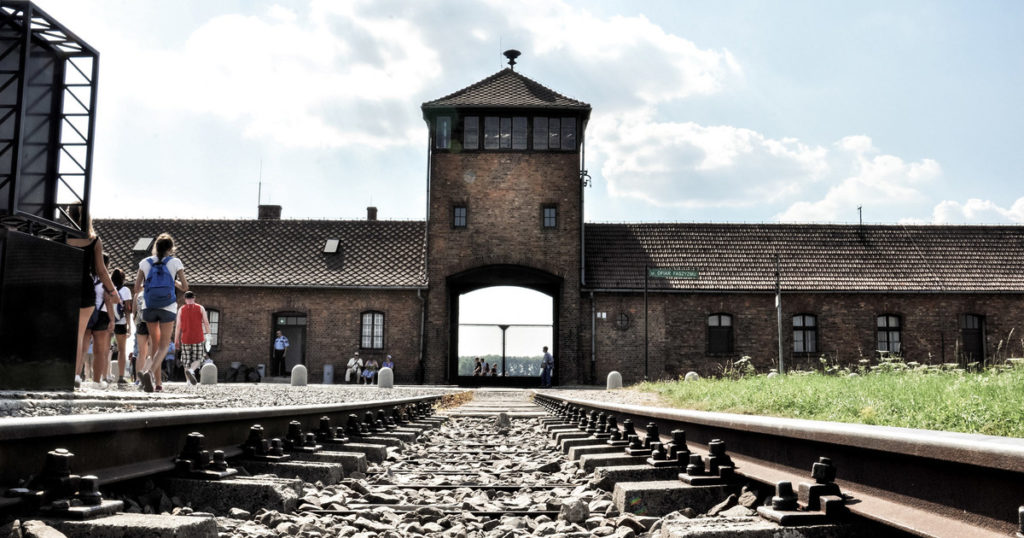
547 364
280 350
190 335
354 367
92 267
122 320
158 277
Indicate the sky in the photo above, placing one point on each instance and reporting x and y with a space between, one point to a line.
725 111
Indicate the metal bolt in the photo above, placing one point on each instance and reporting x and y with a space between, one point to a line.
658 452
696 465
628 429
294 434
652 434
276 447
784 498
220 463
823 472
634 441
716 447
309 439
89 491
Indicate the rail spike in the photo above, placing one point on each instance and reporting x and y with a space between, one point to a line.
56 492
814 503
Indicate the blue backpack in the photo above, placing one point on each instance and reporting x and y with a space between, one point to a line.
159 290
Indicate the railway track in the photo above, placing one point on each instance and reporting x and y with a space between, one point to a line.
502 465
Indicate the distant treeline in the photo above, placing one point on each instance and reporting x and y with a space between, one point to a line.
517 366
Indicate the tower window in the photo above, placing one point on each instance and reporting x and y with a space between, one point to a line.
459 216
540 133
549 216
554 133
491 132
471 132
519 133
505 140
443 138
568 133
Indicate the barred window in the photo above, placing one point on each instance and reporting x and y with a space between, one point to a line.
459 216
805 333
372 331
549 216
214 317
889 333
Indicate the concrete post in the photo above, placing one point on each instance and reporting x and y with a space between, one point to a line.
614 380
208 374
385 378
299 376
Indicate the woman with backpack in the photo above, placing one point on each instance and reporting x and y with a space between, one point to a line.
159 275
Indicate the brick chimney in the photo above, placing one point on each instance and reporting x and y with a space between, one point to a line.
270 212
371 213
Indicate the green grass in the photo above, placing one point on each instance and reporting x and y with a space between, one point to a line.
988 402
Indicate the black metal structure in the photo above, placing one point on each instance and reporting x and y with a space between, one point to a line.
48 80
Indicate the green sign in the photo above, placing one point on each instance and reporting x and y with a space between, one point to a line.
671 272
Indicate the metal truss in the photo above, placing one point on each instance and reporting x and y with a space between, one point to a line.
48 80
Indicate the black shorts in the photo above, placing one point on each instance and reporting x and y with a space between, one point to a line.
142 329
121 328
99 321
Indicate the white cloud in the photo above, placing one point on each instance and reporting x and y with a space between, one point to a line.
977 211
882 182
296 80
690 165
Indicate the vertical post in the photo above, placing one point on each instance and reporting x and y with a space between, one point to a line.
503 329
647 270
778 312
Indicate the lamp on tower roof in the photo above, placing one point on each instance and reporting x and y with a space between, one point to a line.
512 54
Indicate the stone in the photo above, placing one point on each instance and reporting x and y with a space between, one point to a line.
614 381
208 374
691 376
729 502
772 374
38 529
238 513
300 376
737 511
632 522
574 511
749 497
385 378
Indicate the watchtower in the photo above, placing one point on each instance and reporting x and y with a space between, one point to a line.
505 206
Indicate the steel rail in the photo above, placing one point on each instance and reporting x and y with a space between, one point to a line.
121 446
928 483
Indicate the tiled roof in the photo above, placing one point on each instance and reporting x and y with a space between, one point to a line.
506 89
740 257
280 252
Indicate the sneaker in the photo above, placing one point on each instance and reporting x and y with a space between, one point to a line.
102 384
147 381
159 388
121 382
78 381
191 377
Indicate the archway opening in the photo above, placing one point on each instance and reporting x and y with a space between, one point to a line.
523 300
502 331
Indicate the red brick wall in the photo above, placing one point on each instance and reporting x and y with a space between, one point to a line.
332 331
504 194
846 329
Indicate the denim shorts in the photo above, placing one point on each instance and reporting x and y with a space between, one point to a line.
158 315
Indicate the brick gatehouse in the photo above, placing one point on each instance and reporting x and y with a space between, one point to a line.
505 207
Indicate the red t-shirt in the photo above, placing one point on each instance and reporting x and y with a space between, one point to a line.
190 316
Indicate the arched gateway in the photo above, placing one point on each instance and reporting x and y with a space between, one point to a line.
508 373
505 208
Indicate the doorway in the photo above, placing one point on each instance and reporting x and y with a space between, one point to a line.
504 315
293 326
